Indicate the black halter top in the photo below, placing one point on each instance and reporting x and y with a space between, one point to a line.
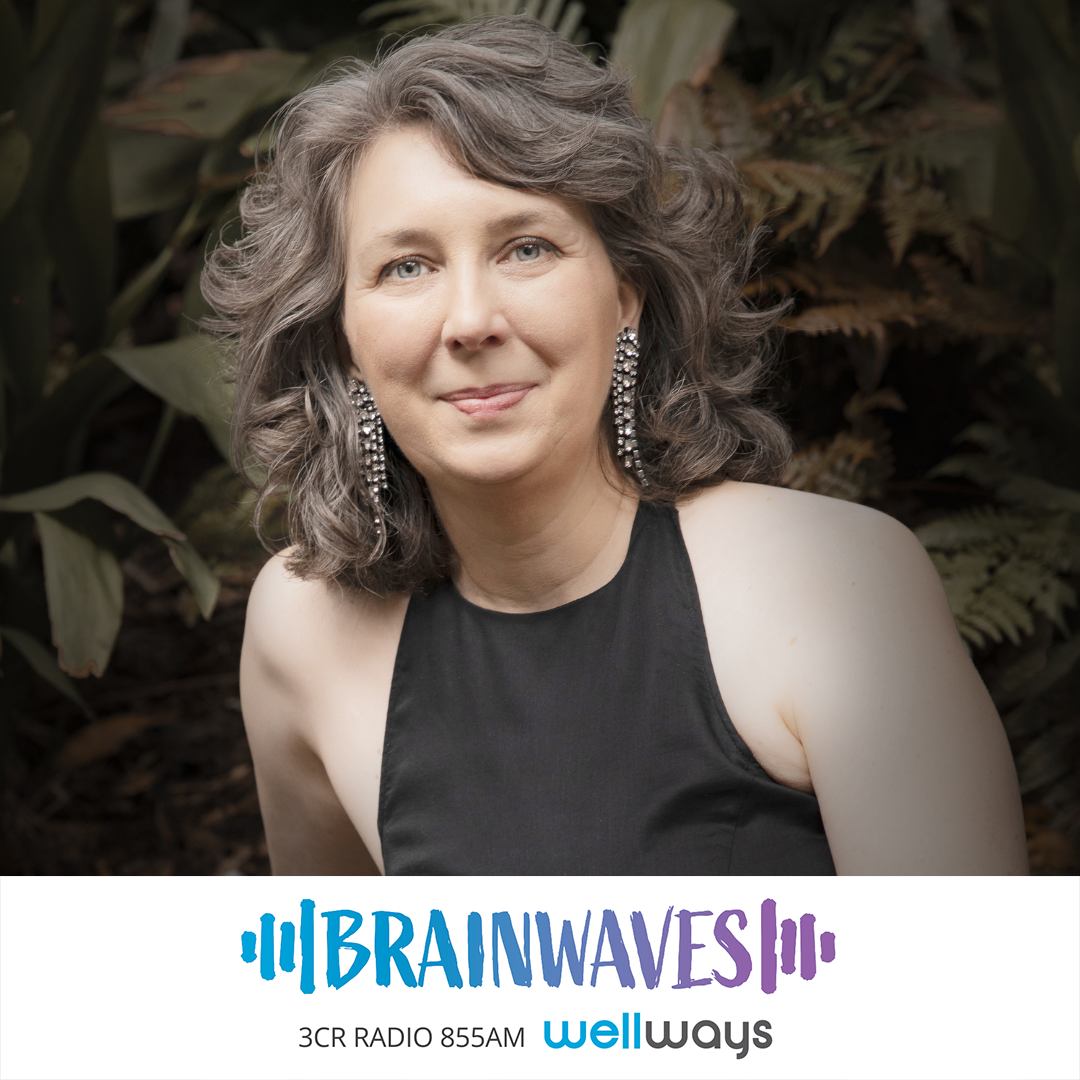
587 739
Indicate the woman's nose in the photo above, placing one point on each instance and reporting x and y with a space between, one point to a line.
474 319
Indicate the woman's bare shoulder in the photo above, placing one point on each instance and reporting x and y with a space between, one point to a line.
295 623
817 561
795 532
767 507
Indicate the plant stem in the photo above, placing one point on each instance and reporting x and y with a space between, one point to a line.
157 447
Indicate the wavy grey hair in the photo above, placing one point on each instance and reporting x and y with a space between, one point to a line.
512 103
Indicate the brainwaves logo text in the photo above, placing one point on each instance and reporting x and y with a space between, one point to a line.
503 950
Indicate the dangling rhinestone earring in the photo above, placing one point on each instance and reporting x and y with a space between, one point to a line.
369 427
623 383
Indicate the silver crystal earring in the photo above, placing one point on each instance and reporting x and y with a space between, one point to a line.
369 428
623 392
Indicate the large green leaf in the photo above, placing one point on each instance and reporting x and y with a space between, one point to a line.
1067 307
60 95
1014 197
108 488
43 663
12 55
1008 485
189 373
22 600
150 172
26 304
47 441
14 161
82 241
1041 84
205 96
125 497
48 15
226 229
134 295
168 31
204 585
666 42
57 103
408 16
85 589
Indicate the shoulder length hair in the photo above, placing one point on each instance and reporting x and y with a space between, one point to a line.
512 103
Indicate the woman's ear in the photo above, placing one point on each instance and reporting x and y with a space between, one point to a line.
344 352
631 302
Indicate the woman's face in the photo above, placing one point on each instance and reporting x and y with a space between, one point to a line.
482 318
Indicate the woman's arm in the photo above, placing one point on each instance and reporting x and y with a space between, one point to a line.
907 755
298 689
840 663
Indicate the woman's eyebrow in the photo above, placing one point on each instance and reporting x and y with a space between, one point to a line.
507 223
405 237
523 220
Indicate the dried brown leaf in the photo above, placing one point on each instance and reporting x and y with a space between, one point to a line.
806 188
833 469
927 211
865 319
966 310
103 738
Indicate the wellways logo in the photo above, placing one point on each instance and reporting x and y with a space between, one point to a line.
606 1034
740 948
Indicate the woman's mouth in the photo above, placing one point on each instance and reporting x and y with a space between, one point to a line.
488 400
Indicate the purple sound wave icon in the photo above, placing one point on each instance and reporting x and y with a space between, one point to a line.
807 945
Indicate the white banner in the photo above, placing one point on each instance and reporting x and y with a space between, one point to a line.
539 977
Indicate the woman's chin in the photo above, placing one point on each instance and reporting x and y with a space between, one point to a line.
490 469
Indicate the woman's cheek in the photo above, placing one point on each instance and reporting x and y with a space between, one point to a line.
392 346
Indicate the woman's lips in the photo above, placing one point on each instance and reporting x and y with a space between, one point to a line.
488 400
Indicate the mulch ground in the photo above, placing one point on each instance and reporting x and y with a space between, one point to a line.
161 782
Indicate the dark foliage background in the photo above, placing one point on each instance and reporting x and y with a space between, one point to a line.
918 162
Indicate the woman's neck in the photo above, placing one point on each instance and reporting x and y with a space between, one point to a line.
530 546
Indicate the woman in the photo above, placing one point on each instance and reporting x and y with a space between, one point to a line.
522 575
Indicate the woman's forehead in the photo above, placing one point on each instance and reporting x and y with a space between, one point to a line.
406 180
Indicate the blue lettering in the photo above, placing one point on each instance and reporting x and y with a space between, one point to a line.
620 961
650 971
604 1034
385 952
575 960
565 1041
476 949
447 957
520 969
336 941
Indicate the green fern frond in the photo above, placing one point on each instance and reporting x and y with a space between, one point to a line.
857 44
1001 567
408 16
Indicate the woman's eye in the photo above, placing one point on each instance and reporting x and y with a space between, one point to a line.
529 252
409 270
